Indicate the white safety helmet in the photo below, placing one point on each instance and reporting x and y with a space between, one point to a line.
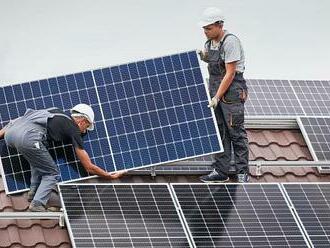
85 111
211 15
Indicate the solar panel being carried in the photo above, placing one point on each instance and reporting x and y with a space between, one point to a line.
156 111
316 131
63 92
312 204
147 113
238 215
122 215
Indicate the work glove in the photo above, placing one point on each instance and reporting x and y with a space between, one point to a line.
214 102
202 54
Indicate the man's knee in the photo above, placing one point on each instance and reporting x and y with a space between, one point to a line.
51 178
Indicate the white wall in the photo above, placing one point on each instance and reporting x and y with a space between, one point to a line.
283 39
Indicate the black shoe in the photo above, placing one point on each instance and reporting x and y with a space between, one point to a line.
243 177
214 177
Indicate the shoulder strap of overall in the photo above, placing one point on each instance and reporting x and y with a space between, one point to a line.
208 42
50 110
223 40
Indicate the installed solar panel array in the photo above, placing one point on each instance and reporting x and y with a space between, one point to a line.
122 216
314 96
316 131
272 97
234 215
288 98
312 204
213 215
147 113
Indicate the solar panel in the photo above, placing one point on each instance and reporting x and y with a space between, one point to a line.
147 113
316 131
312 204
62 92
122 215
156 111
238 215
314 96
272 98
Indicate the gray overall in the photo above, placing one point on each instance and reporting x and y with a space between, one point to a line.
28 134
229 114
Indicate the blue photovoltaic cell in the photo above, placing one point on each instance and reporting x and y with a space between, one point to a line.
156 111
146 113
63 92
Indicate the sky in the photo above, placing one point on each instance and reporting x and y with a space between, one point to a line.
282 39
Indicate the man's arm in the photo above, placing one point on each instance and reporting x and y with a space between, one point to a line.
93 169
2 133
224 85
227 79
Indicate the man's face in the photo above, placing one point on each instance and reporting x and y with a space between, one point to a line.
83 124
212 31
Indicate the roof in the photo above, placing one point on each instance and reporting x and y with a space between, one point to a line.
265 145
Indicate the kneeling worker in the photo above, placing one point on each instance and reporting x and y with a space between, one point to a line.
29 135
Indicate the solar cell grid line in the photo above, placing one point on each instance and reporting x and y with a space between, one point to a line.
238 215
313 95
156 111
272 98
63 92
122 215
316 131
311 202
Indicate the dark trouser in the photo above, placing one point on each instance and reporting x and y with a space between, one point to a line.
230 118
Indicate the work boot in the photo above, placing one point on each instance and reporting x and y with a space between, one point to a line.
36 206
30 195
53 209
214 177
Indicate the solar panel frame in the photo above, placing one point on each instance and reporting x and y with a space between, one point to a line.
58 89
232 241
169 193
316 132
303 199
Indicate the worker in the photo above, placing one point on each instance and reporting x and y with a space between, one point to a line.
224 55
30 135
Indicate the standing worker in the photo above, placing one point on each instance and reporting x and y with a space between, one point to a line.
225 57
30 135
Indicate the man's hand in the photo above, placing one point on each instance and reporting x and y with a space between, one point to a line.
117 174
2 133
214 102
202 54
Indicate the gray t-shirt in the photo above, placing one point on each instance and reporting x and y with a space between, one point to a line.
232 51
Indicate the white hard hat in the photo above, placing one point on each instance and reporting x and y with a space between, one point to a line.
211 15
86 111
